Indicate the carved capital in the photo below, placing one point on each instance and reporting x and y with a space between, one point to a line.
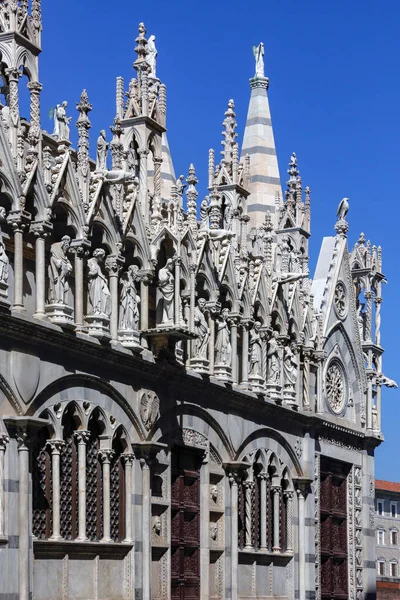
128 458
82 436
143 152
55 446
35 87
4 439
22 438
113 265
106 455
13 74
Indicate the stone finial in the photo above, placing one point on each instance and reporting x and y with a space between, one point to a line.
229 133
293 172
83 124
192 194
141 44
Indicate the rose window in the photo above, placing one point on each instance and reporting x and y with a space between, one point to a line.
340 300
335 387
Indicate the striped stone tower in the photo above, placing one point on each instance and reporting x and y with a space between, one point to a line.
168 178
259 144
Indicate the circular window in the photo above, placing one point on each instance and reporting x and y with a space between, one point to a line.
341 299
335 386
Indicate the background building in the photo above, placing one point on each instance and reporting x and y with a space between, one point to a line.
387 506
184 413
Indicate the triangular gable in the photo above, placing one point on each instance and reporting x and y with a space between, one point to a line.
66 191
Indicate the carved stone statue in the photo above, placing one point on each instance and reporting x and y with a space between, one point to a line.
290 368
258 52
228 214
223 348
180 185
132 159
255 347
343 209
59 271
214 531
99 293
4 262
201 329
102 150
214 493
61 122
151 58
157 526
129 307
274 361
204 209
149 409
166 284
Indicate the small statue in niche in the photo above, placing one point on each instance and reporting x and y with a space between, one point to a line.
61 122
129 312
166 284
157 526
99 293
214 493
223 348
102 151
361 320
202 329
255 348
228 214
204 210
290 368
214 531
59 271
4 262
273 358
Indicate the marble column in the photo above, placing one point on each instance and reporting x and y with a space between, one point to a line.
264 511
245 354
18 267
129 461
55 447
13 75
105 457
248 486
34 88
113 267
234 481
82 437
79 254
289 517
143 192
302 542
177 298
40 274
4 439
306 380
144 303
205 529
146 526
234 324
157 161
24 512
276 493
192 270
378 302
369 401
211 343
368 321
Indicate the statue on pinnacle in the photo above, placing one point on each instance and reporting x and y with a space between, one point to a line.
258 52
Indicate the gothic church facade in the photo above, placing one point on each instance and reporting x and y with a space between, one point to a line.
184 413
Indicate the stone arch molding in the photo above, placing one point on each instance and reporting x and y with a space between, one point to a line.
274 446
87 394
195 426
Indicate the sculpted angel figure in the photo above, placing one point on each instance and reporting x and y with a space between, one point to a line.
151 58
99 293
258 52
290 368
61 122
129 308
255 347
201 328
59 271
102 150
223 348
166 284
273 358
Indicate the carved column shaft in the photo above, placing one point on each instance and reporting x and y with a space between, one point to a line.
289 517
55 447
18 268
249 489
40 272
34 88
301 543
82 438
13 78
146 529
78 267
24 525
264 511
276 491
144 304
177 297
368 321
192 296
143 195
129 461
157 175
211 345
245 355
113 269
105 457
235 534
205 530
378 302
234 351
306 381
4 439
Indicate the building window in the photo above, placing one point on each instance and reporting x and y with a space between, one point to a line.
381 567
380 508
393 509
393 569
393 537
380 537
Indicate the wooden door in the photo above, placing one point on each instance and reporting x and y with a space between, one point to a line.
333 506
185 525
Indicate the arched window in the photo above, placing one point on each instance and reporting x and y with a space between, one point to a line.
381 567
394 537
393 568
380 537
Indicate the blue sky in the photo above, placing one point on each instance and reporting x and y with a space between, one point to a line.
334 95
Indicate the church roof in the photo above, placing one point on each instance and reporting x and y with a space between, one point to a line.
387 486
